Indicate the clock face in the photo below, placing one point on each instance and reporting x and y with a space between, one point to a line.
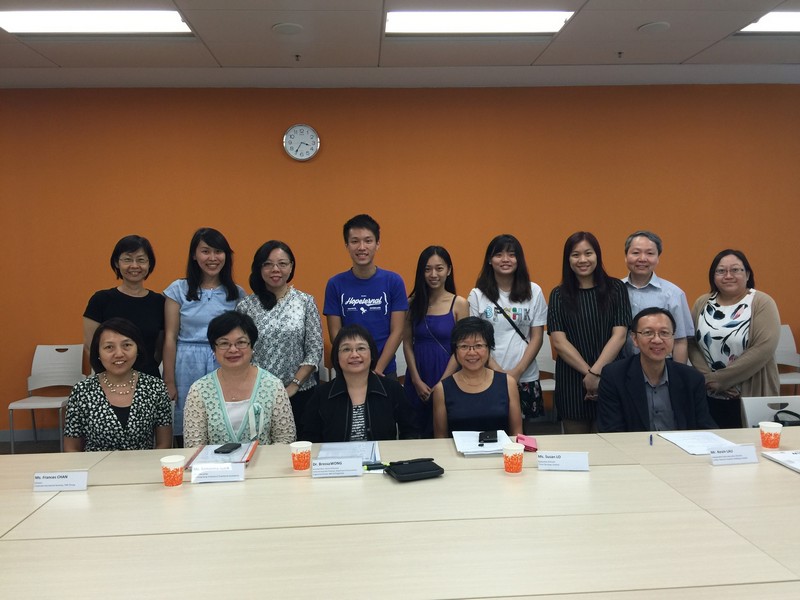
301 142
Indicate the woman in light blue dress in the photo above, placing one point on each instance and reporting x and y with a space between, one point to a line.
207 291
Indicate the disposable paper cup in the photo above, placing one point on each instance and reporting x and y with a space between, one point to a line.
512 457
172 469
301 455
770 434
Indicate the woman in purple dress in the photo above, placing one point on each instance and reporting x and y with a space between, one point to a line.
433 309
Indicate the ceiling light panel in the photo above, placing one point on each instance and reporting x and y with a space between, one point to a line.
82 22
474 22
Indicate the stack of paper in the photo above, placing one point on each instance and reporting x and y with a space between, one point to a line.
368 451
695 442
787 458
206 454
468 445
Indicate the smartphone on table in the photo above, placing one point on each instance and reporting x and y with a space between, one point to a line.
228 448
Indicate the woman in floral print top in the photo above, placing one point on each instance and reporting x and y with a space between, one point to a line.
119 408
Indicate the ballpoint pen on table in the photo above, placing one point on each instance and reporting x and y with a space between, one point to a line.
651 439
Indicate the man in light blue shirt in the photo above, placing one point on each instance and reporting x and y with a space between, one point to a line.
646 289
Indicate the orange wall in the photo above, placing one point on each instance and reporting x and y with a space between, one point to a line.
705 166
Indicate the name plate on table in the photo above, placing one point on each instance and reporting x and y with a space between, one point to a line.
733 455
60 481
217 472
563 461
344 466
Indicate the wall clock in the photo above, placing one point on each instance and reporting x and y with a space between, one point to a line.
301 142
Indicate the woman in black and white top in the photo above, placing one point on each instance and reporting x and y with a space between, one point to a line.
119 408
357 404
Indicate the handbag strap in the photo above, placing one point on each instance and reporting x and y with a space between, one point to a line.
510 320
790 413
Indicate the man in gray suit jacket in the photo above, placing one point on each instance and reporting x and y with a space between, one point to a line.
647 392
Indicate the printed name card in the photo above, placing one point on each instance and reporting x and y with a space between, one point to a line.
217 472
563 461
344 466
733 455
60 481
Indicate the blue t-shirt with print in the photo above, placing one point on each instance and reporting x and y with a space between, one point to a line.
367 302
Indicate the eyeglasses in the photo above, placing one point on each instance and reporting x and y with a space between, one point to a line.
735 271
225 345
468 347
281 264
139 260
649 334
357 349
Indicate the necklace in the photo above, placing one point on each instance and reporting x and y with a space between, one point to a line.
235 387
466 380
123 389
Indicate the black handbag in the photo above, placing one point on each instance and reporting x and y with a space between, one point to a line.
794 421
412 470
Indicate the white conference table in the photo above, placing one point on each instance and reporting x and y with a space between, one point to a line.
628 528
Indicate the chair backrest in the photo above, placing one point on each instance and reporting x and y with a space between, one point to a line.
763 408
400 359
56 366
544 359
786 352
322 371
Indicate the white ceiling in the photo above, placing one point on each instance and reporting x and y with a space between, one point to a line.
342 45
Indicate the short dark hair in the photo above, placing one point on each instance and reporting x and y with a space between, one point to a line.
646 234
652 310
470 326
194 275
267 298
132 243
123 327
521 284
751 279
227 322
362 221
352 332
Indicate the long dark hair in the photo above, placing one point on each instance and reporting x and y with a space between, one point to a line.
267 298
194 274
569 281
520 286
418 301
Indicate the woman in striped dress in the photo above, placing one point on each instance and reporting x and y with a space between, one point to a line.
587 322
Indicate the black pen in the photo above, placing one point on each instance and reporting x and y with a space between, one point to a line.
408 462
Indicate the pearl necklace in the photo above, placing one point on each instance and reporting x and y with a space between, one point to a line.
123 389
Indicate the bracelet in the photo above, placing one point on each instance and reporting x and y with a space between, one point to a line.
595 374
296 381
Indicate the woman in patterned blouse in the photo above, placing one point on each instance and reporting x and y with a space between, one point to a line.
119 408
736 334
289 329
239 402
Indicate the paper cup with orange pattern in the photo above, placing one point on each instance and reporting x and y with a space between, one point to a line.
512 458
301 455
770 434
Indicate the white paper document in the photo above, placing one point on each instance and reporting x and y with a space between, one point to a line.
787 458
207 455
368 451
695 442
468 445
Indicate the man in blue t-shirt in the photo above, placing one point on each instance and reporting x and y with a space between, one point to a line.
366 295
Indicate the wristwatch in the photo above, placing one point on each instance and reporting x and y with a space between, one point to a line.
296 381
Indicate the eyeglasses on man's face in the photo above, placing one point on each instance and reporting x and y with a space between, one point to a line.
649 334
